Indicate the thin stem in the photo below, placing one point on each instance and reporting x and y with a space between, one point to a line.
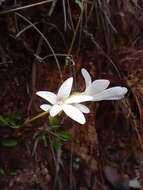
46 41
34 118
74 36
25 7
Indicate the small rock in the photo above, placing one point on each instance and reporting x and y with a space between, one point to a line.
134 183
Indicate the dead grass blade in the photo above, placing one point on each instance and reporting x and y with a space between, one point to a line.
25 7
46 41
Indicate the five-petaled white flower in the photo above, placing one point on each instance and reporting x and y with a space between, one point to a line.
63 101
98 89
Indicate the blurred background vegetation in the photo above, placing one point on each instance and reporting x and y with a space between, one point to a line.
43 43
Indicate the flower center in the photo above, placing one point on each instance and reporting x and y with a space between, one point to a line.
59 101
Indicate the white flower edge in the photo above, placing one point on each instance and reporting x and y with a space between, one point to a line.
63 92
98 88
114 93
75 112
62 101
94 87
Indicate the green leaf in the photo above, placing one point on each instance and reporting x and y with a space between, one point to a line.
54 121
44 138
64 135
80 4
10 121
3 121
57 145
2 172
13 173
15 126
9 142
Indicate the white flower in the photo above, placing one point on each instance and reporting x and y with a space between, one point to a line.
98 89
71 104
62 101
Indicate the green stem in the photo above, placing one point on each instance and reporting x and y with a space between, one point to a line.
34 118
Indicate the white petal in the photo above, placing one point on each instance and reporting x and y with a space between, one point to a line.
55 110
113 93
49 96
45 107
87 77
115 98
82 108
98 86
65 89
78 98
74 113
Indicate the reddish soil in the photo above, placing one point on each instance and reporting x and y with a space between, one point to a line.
106 152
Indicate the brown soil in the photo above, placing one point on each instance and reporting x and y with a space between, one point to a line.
106 152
